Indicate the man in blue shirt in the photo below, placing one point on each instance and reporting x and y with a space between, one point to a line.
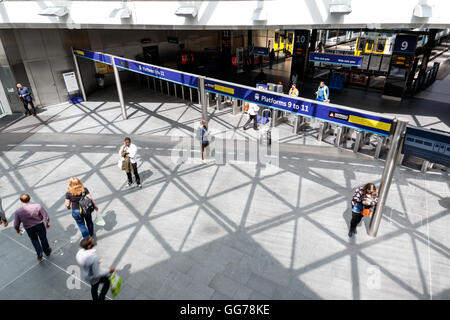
322 93
25 96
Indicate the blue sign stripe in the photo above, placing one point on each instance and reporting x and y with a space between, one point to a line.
298 106
335 58
157 72
91 55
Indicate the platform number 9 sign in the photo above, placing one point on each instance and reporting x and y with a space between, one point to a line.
404 45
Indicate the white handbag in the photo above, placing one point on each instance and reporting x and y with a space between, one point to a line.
119 163
98 220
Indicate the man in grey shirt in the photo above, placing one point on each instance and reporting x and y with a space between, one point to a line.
89 263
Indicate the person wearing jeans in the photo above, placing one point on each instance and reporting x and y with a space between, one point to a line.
90 265
25 96
129 150
32 215
73 196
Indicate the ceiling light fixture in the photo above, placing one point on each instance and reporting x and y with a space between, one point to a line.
54 11
186 12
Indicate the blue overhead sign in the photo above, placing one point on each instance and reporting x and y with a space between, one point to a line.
157 72
335 58
91 55
260 51
427 144
318 110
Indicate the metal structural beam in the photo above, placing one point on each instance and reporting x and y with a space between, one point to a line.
202 98
79 78
388 173
119 89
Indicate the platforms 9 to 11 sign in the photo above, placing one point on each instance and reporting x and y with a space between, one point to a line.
323 111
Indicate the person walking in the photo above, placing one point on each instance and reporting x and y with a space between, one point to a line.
25 96
2 215
33 216
203 135
322 93
294 78
90 265
363 198
293 91
320 47
128 153
271 58
253 112
74 194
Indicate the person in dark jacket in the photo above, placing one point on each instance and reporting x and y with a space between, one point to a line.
271 57
363 198
25 96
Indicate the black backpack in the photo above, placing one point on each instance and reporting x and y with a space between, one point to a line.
86 204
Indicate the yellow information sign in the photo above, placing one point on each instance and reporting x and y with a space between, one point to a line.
224 89
370 123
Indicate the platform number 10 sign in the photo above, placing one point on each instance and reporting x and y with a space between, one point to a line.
301 38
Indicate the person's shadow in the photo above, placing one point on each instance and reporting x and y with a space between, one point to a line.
445 203
348 214
145 175
110 220
125 271
71 230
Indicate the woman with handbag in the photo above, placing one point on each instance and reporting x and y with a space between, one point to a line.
364 202
74 194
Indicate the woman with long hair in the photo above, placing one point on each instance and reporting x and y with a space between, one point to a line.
74 194
363 198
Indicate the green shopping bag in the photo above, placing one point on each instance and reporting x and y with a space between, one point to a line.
116 283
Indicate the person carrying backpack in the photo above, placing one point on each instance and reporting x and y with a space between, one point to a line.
82 204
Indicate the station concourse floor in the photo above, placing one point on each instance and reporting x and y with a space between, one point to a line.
238 230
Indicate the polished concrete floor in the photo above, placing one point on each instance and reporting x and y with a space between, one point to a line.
222 230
